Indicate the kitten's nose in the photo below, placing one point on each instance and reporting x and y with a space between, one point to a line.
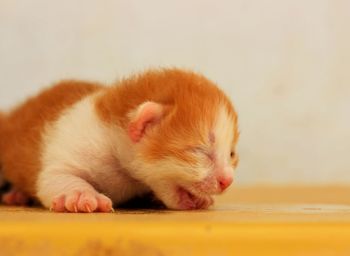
224 182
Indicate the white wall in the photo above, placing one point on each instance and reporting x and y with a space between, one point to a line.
286 64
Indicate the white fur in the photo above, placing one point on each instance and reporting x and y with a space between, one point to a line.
224 135
80 152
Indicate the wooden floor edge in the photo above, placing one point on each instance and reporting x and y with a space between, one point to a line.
171 238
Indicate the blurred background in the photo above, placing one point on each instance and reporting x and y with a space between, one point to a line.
285 64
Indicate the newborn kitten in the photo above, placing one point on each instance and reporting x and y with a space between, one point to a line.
82 147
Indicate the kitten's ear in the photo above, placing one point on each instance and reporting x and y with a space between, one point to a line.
147 114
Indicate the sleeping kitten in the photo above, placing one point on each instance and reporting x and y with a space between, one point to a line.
84 147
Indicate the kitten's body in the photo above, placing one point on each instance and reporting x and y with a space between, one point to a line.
148 133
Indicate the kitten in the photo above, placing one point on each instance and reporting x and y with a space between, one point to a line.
83 147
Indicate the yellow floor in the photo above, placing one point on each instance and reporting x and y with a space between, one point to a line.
245 221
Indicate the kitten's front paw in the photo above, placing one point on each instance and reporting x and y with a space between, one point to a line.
82 201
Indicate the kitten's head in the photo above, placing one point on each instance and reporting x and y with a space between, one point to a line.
185 146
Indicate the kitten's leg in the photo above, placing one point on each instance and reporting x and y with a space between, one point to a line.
70 193
15 197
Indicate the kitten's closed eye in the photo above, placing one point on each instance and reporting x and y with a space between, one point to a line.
203 151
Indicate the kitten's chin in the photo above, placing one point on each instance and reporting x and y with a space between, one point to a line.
184 196
184 199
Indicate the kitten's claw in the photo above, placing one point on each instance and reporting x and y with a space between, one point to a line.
87 208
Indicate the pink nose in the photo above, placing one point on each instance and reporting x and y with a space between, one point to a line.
224 182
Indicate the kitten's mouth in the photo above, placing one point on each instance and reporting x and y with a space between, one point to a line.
188 200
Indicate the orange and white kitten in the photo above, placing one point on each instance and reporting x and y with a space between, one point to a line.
83 147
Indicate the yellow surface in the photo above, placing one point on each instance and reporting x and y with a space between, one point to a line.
245 221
